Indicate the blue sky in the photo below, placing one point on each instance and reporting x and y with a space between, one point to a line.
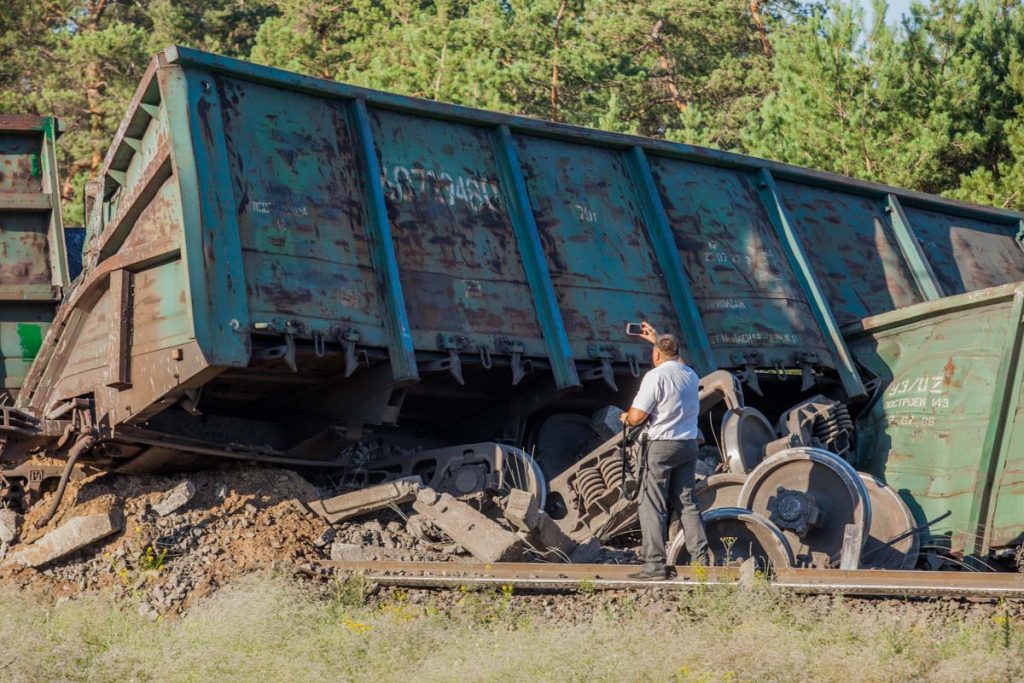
896 8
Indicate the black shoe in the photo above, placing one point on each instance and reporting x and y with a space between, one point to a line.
645 575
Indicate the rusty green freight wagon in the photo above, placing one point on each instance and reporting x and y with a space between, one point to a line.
276 262
946 426
33 270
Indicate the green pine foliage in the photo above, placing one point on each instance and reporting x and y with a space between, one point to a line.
930 101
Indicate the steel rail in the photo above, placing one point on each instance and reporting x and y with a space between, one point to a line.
576 577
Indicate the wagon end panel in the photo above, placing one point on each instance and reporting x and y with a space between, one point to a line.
125 334
934 431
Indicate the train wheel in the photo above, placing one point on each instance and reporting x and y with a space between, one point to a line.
719 491
745 433
811 495
520 471
735 535
890 519
561 440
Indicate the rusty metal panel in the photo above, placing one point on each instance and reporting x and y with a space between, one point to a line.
299 209
968 254
457 254
86 358
24 249
853 250
745 290
22 329
158 321
20 163
937 429
32 271
1007 488
602 265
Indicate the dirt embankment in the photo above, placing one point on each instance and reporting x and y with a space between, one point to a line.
240 518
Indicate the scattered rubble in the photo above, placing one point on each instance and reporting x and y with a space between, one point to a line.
175 499
241 518
167 540
354 552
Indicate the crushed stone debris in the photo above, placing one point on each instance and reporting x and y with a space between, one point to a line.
175 499
238 519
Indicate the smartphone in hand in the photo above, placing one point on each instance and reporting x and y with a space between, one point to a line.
634 329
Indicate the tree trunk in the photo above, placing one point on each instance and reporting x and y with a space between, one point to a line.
759 26
668 68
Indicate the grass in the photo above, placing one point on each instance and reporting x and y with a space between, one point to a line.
270 628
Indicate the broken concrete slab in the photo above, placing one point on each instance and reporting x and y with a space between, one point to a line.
542 532
748 572
175 499
547 534
853 540
370 499
521 509
481 536
10 522
70 537
349 552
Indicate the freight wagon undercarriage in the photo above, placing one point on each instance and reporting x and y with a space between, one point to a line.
776 490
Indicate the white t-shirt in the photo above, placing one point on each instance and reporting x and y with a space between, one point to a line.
668 394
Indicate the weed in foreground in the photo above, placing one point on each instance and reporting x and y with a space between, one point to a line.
152 560
352 590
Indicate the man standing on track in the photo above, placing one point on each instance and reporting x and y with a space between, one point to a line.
668 402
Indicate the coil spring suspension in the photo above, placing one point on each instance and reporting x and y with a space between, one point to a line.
590 486
834 429
612 470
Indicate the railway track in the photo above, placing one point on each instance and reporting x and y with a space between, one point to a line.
575 577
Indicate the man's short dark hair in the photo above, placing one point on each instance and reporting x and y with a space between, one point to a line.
667 345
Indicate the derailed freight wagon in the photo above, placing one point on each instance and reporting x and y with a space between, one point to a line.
279 267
